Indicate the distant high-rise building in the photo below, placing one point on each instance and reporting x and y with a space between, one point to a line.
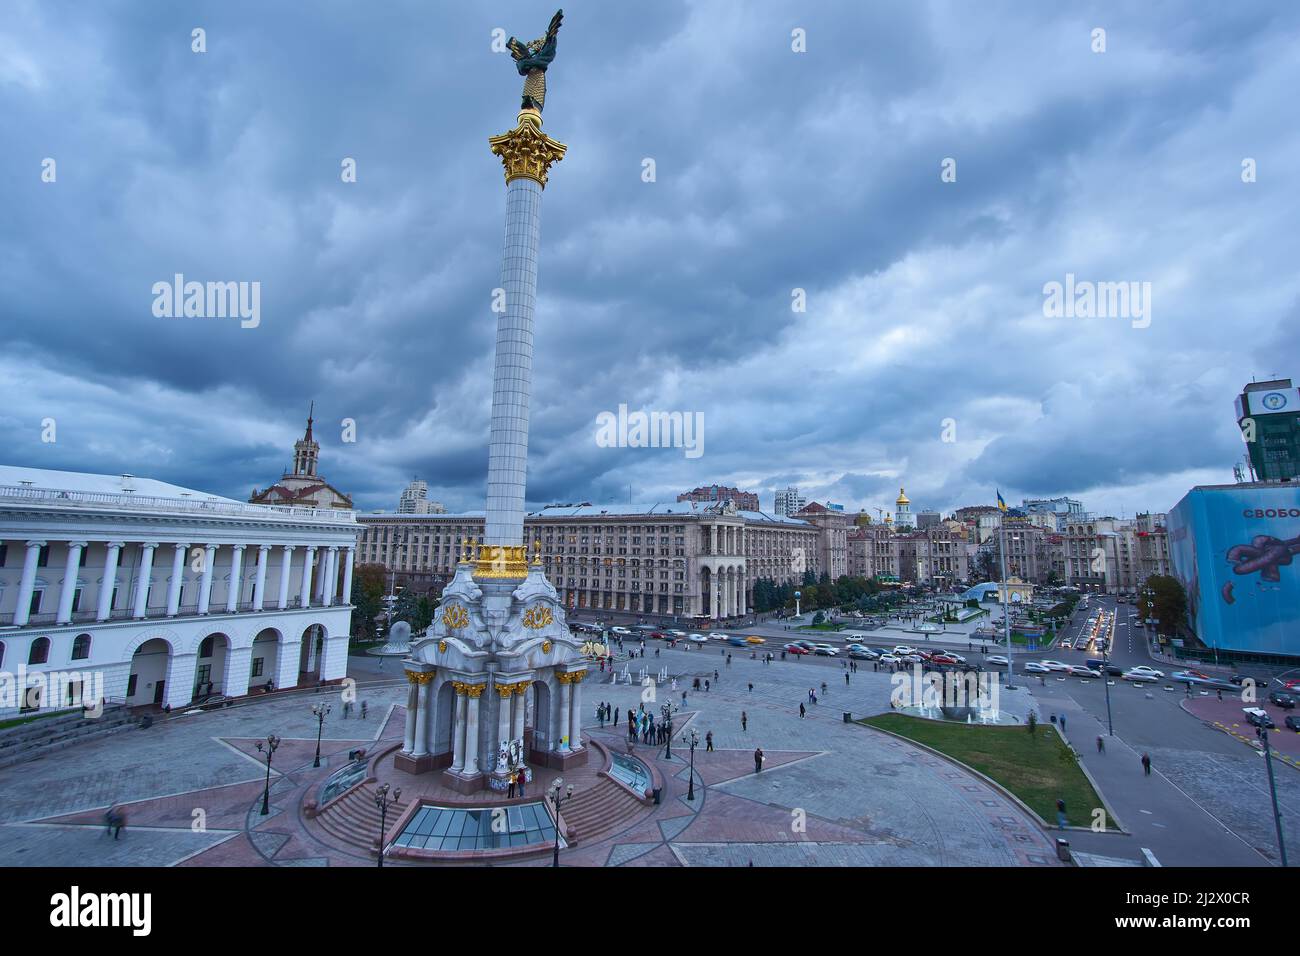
719 494
1268 414
789 502
1065 509
414 500
926 520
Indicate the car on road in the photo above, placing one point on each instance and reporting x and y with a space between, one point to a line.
621 631
1258 717
1143 669
943 659
1033 667
996 660
718 636
825 650
697 638
1067 645
1055 665
955 656
795 649
1140 676
677 633
890 659
806 645
902 649
755 639
1292 722
659 634
1078 670
1282 699
859 653
737 642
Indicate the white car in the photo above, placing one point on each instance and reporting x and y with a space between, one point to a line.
1140 677
1078 670
677 633
890 659
718 636
1143 669
997 660
1033 667
954 655
697 638
825 650
1055 665
621 630
903 649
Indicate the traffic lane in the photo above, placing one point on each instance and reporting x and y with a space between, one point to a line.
1142 721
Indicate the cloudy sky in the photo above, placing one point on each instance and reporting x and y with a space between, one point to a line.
774 171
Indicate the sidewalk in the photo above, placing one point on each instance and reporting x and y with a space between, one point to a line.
1159 815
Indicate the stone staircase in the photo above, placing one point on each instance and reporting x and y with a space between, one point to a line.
36 739
600 807
354 818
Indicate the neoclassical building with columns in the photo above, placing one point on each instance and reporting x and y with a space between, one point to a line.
158 594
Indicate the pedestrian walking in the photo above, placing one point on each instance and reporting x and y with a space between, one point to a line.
802 712
1063 723
1146 764
707 685
751 687
363 709
758 760
1101 744
744 721
616 714
1060 813
708 742
846 680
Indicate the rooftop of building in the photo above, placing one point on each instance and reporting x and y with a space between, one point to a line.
587 510
44 478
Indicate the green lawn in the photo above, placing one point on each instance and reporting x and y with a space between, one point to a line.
1037 768
822 627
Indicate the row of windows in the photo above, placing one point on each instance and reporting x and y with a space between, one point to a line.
39 651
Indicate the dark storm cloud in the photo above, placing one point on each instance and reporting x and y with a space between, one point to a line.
774 171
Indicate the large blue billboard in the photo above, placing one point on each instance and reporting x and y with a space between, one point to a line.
1232 547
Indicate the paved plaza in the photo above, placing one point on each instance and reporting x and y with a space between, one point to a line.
830 793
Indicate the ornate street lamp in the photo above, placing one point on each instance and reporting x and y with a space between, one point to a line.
1262 734
667 711
319 711
268 748
693 739
383 802
559 795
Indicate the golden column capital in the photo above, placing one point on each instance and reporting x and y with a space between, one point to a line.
419 677
505 690
526 152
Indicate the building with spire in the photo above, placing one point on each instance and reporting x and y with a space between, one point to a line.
903 517
302 485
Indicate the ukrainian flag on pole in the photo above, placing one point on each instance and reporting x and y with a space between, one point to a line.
1002 505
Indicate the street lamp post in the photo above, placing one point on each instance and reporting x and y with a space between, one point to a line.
268 748
319 711
667 711
1262 733
693 738
383 802
559 795
1105 676
1006 613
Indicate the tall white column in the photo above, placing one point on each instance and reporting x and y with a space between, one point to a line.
205 582
347 575
27 584
178 577
331 575
520 708
458 732
575 712
471 728
69 590
236 578
319 589
422 709
503 714
304 595
106 585
141 607
286 568
713 593
412 709
566 721
259 586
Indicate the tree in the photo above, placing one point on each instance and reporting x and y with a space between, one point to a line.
1167 602
367 599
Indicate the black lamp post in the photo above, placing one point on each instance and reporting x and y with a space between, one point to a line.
1262 734
319 711
559 794
693 738
383 802
267 748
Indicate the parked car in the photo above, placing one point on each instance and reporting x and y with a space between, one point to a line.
795 649
1258 717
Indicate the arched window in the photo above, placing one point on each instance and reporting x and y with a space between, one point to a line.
40 652
205 649
81 647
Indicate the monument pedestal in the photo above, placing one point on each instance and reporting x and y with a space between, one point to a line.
421 764
463 783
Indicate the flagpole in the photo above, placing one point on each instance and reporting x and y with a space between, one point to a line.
1006 614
